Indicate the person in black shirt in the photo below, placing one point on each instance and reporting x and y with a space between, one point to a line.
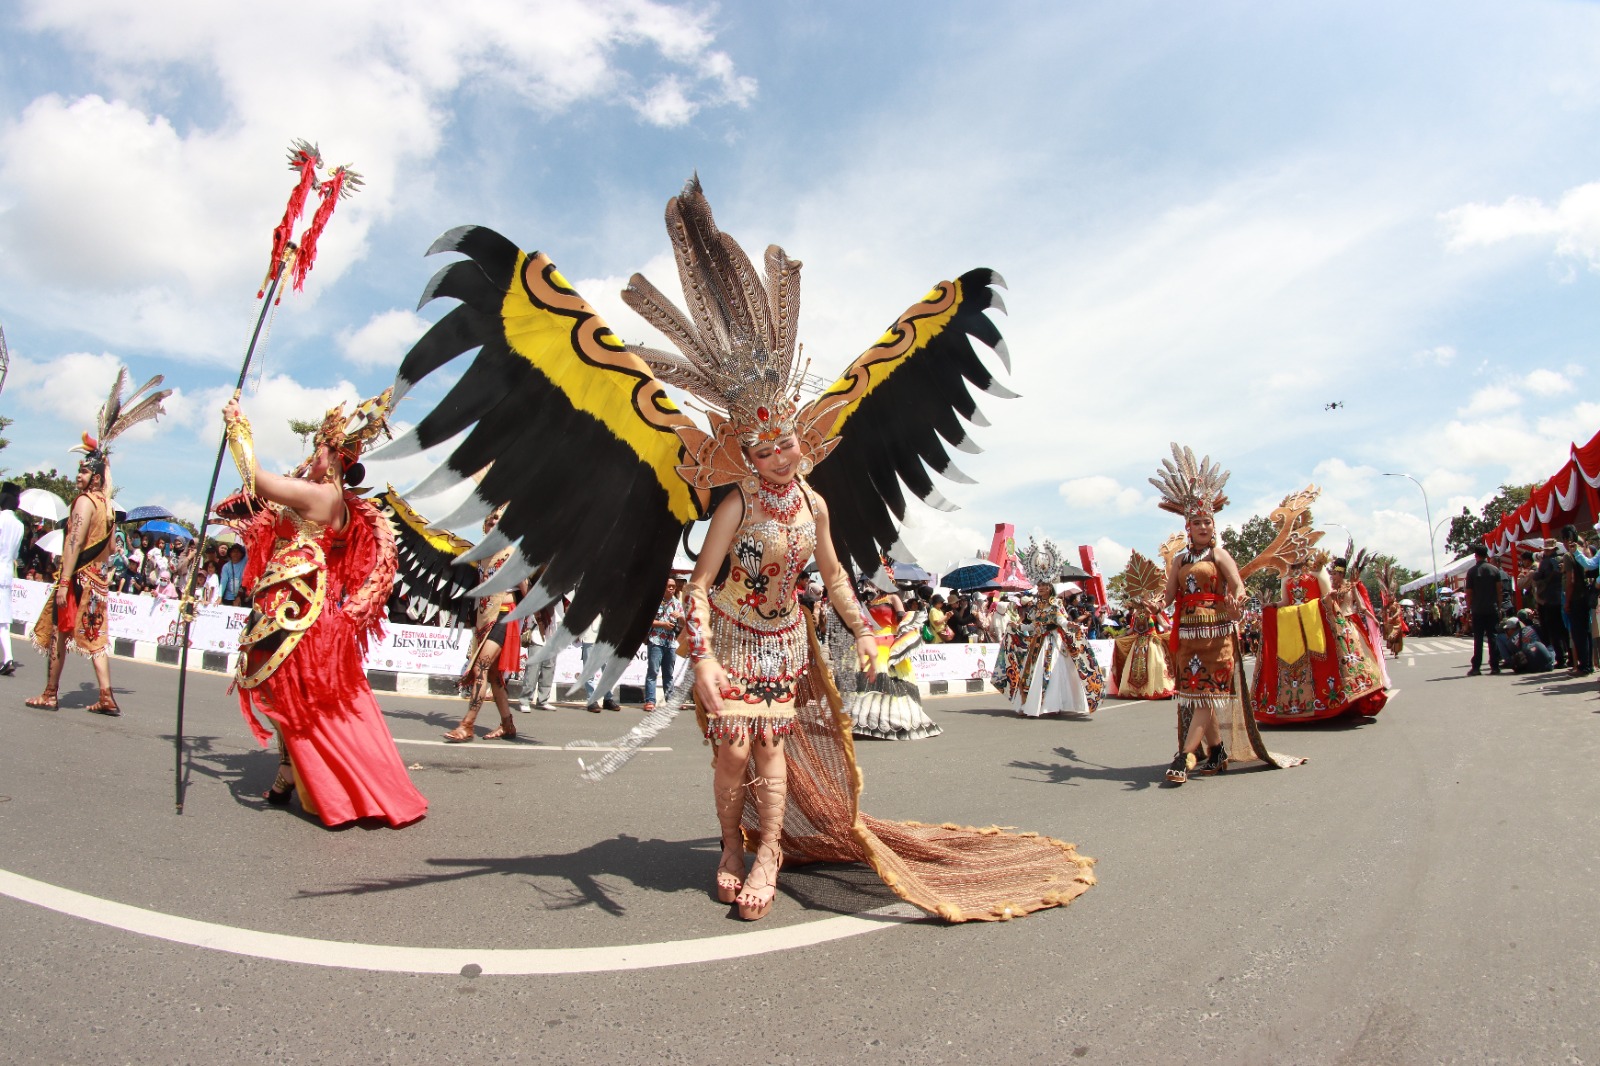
1485 585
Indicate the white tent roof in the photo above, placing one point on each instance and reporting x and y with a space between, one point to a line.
1455 569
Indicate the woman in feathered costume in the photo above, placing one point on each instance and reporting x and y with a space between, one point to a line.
320 570
603 474
1204 587
74 615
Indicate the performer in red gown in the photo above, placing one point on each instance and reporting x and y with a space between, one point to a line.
321 565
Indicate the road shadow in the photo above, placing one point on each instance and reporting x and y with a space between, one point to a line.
1007 712
445 718
664 866
1337 724
1075 769
246 774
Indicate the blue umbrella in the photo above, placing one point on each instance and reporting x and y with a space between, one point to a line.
141 514
912 573
166 529
971 576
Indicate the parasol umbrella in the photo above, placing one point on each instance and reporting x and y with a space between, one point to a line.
42 503
1072 573
143 514
164 528
1408 603
971 576
1014 583
227 536
52 541
911 573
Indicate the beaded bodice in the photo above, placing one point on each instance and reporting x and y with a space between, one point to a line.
764 568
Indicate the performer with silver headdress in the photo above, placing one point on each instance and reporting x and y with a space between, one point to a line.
602 474
1046 665
1204 586
74 614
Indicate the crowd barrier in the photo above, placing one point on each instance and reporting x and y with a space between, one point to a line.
409 649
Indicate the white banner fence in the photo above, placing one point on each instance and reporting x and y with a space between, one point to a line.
409 649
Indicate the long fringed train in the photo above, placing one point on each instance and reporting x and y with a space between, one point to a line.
959 873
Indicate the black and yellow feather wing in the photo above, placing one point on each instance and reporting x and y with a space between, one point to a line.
887 422
429 588
551 382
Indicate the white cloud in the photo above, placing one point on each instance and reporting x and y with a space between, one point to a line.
1492 399
1111 557
73 387
667 104
1100 493
1546 383
1574 222
1440 355
384 340
158 216
278 399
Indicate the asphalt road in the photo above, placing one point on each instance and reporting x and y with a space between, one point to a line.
1421 891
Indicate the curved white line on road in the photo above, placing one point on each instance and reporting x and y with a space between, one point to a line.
393 959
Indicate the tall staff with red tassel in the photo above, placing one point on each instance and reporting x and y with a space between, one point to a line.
295 261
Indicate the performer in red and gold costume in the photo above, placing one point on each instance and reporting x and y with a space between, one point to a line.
321 566
1204 586
74 614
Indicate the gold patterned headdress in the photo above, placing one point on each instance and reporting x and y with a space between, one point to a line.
1192 489
350 435
737 345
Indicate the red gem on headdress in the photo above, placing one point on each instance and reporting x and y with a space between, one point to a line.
763 414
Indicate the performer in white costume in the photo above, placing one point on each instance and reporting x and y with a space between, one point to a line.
10 543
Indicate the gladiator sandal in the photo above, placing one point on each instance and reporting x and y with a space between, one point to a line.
730 868
106 705
1216 761
462 734
46 700
282 785
1178 772
761 886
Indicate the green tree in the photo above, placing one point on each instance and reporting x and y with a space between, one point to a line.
5 424
1467 529
50 480
1117 589
1375 565
304 430
1249 541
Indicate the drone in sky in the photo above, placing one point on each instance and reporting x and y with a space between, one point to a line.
1334 406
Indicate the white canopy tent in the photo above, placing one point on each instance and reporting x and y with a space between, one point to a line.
1455 569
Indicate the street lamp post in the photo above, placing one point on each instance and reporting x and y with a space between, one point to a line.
1428 510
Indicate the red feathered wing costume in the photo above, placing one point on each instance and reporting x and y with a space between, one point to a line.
318 598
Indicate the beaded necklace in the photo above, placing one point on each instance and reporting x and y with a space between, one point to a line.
780 501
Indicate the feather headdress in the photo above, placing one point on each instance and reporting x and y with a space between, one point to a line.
117 416
1192 489
737 343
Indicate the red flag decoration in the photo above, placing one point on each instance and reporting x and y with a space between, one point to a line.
340 184
304 159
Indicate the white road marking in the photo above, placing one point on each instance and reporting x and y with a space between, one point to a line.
393 959
1412 661
511 745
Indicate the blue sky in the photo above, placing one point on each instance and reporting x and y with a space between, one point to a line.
1214 219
